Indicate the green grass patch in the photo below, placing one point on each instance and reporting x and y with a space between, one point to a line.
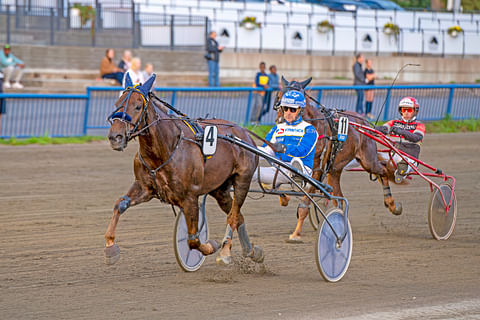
340 78
49 140
448 125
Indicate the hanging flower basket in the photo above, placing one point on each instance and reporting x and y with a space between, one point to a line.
454 31
324 26
391 28
250 23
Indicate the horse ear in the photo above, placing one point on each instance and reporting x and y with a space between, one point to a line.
306 82
128 81
147 86
284 82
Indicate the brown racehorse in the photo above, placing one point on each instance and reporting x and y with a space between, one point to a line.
171 167
357 146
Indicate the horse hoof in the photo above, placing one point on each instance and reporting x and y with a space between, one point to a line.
398 209
214 245
257 254
294 239
112 254
284 199
223 260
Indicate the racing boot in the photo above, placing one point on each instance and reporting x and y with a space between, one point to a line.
298 179
401 172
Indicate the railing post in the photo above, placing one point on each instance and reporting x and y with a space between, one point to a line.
172 33
52 27
387 104
8 24
174 93
249 106
134 33
450 101
319 96
87 111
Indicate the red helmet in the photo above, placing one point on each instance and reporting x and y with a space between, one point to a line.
408 102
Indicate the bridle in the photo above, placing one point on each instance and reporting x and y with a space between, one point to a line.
140 125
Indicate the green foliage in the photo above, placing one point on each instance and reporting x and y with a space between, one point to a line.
87 12
49 140
447 125
250 20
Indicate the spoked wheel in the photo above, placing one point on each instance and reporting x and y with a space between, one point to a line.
189 259
441 222
314 215
332 257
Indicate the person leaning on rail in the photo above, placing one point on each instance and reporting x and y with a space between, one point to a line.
295 141
408 133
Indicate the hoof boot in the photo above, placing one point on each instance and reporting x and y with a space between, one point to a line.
223 260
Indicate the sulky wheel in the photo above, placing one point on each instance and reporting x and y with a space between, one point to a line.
332 257
440 222
314 215
189 259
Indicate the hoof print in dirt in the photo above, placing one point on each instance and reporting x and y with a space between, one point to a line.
112 254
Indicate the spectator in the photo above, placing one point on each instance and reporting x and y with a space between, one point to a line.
148 71
135 72
274 84
213 57
12 68
126 61
261 81
273 79
369 94
359 80
108 70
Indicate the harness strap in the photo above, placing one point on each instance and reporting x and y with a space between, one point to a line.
153 172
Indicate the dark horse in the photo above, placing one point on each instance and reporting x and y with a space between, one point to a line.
357 146
171 167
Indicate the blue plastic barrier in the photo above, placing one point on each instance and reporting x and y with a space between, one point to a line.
59 115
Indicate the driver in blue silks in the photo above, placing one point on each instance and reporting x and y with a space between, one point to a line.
294 139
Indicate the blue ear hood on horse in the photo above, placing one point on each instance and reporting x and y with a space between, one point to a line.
147 86
128 81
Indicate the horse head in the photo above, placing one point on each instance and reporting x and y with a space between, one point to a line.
286 86
130 113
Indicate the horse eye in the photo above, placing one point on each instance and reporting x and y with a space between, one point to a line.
138 108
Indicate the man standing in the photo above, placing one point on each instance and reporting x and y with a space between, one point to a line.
12 68
213 56
261 81
359 80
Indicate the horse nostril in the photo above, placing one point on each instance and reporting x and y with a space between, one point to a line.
116 138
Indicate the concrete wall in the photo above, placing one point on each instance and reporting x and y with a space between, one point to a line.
241 67
322 68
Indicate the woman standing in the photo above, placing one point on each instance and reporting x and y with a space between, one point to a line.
369 94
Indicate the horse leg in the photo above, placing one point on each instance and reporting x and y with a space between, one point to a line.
369 161
190 210
388 200
302 212
236 221
135 195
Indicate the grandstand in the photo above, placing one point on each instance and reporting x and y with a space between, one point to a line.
181 26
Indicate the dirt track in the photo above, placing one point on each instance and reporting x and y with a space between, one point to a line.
56 202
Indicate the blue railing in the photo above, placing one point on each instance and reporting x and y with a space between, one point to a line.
76 115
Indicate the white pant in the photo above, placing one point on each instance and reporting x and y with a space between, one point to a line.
12 72
267 174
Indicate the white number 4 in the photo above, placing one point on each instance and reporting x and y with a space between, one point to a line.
210 140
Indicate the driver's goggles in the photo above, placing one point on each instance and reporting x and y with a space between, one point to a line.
406 109
293 110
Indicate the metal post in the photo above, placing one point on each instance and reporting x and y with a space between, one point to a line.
52 27
134 37
174 93
87 110
319 96
387 104
249 106
172 33
8 24
450 101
